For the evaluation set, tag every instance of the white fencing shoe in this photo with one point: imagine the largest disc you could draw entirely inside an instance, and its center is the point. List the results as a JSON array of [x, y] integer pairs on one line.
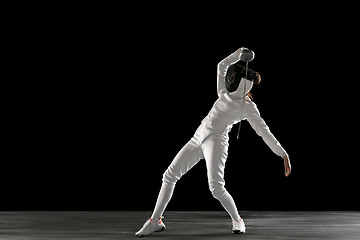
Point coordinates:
[[238, 226], [151, 226]]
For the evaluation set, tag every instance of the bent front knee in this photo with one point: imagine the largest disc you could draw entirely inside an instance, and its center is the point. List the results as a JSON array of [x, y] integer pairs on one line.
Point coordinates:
[[169, 178]]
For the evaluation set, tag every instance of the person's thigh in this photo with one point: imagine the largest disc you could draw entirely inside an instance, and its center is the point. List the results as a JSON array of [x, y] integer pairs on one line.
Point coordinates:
[[186, 158]]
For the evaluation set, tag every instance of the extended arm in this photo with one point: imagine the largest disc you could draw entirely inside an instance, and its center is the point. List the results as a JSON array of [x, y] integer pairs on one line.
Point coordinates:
[[260, 127], [222, 68]]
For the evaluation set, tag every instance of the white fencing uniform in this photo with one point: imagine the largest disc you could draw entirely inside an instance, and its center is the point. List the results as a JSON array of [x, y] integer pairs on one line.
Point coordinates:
[[210, 141]]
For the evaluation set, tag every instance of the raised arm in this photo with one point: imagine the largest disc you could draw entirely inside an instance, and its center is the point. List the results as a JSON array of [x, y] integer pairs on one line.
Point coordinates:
[[252, 115], [222, 68]]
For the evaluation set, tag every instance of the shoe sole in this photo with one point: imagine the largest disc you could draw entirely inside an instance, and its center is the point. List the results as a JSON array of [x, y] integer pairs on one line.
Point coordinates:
[[237, 232], [160, 230]]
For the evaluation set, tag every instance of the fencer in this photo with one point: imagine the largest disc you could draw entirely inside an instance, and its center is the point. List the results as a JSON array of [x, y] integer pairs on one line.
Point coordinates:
[[210, 140]]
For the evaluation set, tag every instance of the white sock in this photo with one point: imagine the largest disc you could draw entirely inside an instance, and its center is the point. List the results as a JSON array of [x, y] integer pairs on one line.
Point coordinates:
[[164, 197], [228, 203]]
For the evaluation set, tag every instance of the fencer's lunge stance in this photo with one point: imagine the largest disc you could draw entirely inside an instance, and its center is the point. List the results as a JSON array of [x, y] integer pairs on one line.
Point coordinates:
[[210, 141]]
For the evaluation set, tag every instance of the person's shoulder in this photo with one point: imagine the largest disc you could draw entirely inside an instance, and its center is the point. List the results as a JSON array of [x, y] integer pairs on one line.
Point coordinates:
[[222, 92]]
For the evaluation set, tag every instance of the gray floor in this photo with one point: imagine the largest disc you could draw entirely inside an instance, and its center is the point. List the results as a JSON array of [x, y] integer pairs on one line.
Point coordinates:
[[180, 225]]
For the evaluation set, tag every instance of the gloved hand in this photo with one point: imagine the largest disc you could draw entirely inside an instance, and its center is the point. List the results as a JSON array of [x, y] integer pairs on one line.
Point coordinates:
[[246, 55]]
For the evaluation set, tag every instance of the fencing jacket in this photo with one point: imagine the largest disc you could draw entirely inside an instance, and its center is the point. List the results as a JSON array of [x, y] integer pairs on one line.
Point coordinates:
[[232, 107]]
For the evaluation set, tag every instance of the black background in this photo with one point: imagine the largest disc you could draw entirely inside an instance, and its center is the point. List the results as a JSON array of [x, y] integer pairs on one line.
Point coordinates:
[[104, 98]]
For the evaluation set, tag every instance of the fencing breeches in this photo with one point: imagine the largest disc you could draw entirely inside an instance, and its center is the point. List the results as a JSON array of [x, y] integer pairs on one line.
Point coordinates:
[[214, 149]]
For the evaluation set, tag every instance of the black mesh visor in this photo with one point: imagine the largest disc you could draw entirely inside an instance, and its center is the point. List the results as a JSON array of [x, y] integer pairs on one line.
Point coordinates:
[[234, 74]]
